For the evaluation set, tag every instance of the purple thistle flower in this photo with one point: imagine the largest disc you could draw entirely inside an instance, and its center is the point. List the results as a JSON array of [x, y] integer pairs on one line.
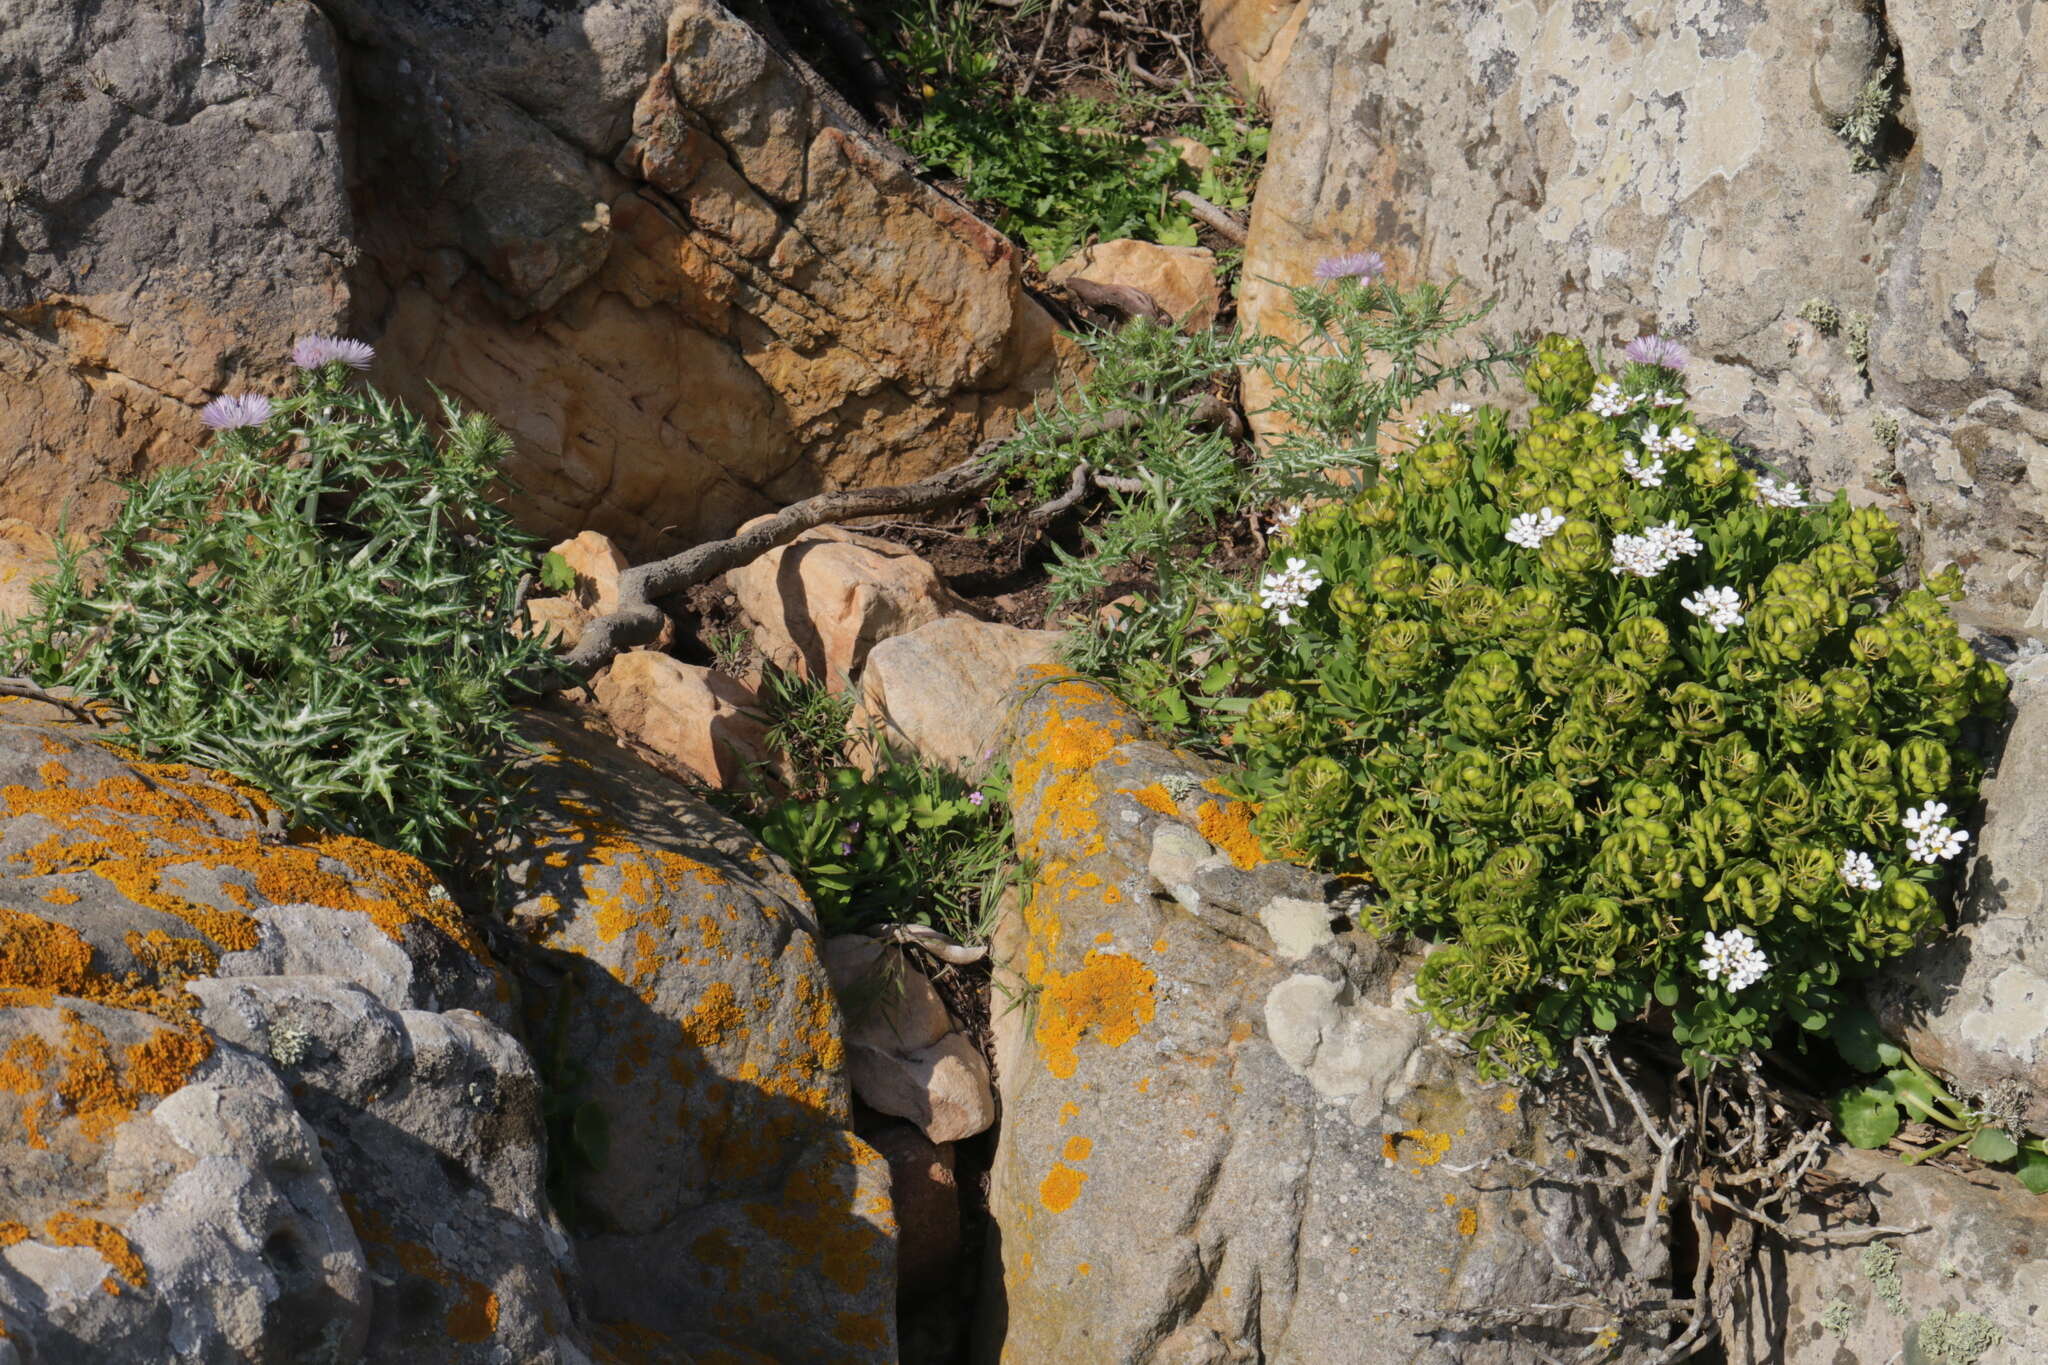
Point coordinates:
[[312, 352], [1361, 265], [1656, 350], [242, 410]]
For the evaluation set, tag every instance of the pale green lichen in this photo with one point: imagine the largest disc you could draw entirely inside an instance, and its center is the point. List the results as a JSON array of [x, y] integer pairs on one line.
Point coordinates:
[[1825, 317], [1884, 428], [1863, 127], [1880, 1265], [1838, 1317], [1856, 340], [289, 1044], [1958, 1338]]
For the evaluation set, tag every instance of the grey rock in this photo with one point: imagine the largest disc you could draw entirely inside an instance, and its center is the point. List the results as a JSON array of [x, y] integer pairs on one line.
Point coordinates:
[[1298, 927]]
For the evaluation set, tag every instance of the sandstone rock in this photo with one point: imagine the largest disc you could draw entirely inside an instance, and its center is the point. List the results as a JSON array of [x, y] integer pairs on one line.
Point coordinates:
[[685, 717], [1180, 279], [1974, 1004], [560, 618], [693, 1013], [1679, 170], [171, 195], [26, 556], [1252, 38], [1196, 1166], [940, 691], [905, 1055], [597, 564], [927, 1199], [1966, 1286], [820, 603]]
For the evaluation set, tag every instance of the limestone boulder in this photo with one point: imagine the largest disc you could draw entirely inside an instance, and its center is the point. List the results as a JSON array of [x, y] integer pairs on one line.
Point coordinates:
[[906, 1056], [1608, 170], [173, 202], [1964, 1283], [1217, 1149], [1974, 1004], [719, 1194], [941, 691], [1180, 279], [686, 719], [819, 604]]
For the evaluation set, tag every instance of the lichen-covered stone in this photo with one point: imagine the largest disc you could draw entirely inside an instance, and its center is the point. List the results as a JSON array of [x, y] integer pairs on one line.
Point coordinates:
[[1170, 1185], [735, 1202]]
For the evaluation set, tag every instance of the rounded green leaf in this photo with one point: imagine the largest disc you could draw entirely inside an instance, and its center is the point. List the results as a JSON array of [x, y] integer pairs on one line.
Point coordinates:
[[1867, 1116], [1992, 1145]]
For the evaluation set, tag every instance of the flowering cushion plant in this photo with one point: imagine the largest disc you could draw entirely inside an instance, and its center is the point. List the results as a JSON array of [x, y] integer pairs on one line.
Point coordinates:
[[1619, 720]]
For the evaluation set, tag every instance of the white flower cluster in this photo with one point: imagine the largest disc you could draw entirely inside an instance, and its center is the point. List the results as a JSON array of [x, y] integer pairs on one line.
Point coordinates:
[[1721, 607], [1667, 441], [1933, 841], [1461, 409], [1287, 591], [1650, 553], [1649, 475], [1609, 401], [1531, 529], [1286, 517], [1735, 958], [1859, 872], [1771, 493], [1663, 398]]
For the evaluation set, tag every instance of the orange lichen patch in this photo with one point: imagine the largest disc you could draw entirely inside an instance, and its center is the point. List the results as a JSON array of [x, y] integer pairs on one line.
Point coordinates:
[[1144, 1085], [62, 895], [1084, 1269], [1068, 1111], [1229, 827], [1468, 1222], [41, 955], [12, 1232], [864, 1330], [1077, 1149], [1112, 895], [1153, 797], [1510, 1102], [170, 958], [1240, 1030], [1060, 1188], [1426, 1148], [1110, 997], [1105, 937], [717, 1016], [475, 1314], [813, 1221], [70, 1230], [101, 1093]]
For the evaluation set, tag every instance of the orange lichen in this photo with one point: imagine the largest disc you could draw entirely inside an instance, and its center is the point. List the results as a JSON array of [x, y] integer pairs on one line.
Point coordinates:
[[62, 895], [1068, 1111], [12, 1232], [1105, 937], [1153, 797], [1144, 1085], [1110, 997], [1077, 1149], [1468, 1222], [1084, 1269], [717, 1016], [813, 1220], [41, 955], [70, 1230], [1229, 827], [475, 1314], [1060, 1188], [1428, 1148], [1509, 1102]]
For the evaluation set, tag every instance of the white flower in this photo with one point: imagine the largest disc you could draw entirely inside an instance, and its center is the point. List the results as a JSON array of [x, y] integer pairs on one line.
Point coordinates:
[[1771, 493], [1649, 475], [1665, 399], [1461, 409], [1677, 541], [1925, 817], [1933, 841], [1650, 553], [1665, 442], [1531, 529], [1286, 517], [1722, 607], [1609, 401], [1859, 872], [1287, 591], [1733, 956]]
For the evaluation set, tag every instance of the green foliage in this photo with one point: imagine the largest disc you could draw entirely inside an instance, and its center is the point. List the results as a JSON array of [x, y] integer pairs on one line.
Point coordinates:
[[555, 574], [323, 604], [1560, 769], [806, 725], [1870, 117], [912, 843]]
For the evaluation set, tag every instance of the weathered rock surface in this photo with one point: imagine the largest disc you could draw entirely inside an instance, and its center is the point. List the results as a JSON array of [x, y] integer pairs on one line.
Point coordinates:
[[735, 1209], [256, 1099], [1968, 1286], [1170, 1185], [1180, 279], [684, 717], [941, 691], [172, 213], [26, 555], [1974, 1004], [905, 1054], [926, 1192], [820, 603], [1252, 38], [1605, 169]]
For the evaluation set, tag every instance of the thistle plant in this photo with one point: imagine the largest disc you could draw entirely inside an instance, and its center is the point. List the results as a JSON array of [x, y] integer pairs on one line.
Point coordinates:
[[1618, 720], [326, 604]]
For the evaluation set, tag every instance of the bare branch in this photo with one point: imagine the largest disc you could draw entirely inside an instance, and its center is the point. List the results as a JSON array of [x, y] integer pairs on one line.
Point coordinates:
[[28, 691], [1847, 1238], [1224, 223]]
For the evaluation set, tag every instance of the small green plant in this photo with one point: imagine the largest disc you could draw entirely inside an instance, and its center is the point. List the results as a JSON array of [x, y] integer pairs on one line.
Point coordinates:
[[806, 725], [911, 843], [556, 575], [1870, 117], [1825, 317], [325, 604], [1856, 340], [1884, 429]]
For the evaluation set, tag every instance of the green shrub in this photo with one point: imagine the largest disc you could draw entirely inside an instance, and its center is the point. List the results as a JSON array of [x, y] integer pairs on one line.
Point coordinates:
[[1620, 720], [323, 604]]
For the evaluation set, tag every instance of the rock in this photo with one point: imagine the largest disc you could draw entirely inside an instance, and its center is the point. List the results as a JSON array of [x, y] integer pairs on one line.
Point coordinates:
[[259, 1102], [820, 603], [939, 692], [904, 1054], [597, 564], [1198, 156], [26, 556], [171, 193], [687, 718], [1974, 1004], [927, 1199], [692, 1018], [559, 617], [1180, 279], [1252, 39], [1967, 1286], [1681, 172], [1210, 1154]]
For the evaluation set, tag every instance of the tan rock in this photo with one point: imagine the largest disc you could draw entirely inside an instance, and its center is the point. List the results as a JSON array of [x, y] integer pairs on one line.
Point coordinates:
[[904, 1054], [820, 603], [597, 564], [1180, 279], [560, 617], [683, 716], [1252, 39], [888, 1003], [26, 556], [1198, 155], [926, 1195], [941, 691]]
